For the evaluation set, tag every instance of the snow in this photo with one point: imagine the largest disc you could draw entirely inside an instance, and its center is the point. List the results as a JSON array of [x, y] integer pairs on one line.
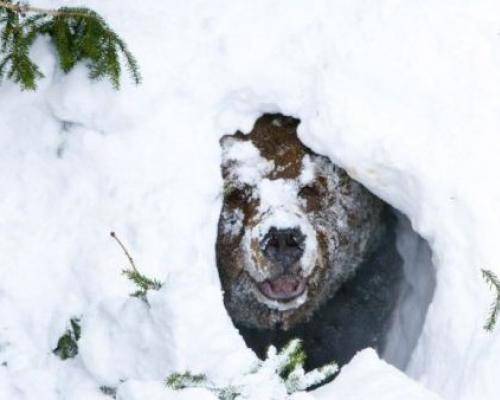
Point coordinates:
[[366, 375], [250, 166], [404, 95], [138, 390], [307, 173], [416, 295]]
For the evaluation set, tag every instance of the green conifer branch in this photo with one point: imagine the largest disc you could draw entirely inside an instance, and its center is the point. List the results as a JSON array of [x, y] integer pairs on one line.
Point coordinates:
[[142, 282], [293, 356], [67, 345], [494, 283], [78, 34], [290, 367], [184, 380], [288, 364]]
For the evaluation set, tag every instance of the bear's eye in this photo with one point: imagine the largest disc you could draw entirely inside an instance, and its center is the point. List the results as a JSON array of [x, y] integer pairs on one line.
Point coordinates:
[[308, 192], [237, 195]]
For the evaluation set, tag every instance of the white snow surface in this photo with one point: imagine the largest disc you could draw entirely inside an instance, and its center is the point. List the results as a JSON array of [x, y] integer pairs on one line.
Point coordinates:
[[404, 95], [250, 166], [373, 377]]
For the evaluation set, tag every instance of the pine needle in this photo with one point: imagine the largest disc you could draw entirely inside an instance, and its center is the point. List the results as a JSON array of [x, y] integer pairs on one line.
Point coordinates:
[[78, 34], [290, 368], [494, 283], [177, 381], [293, 357], [67, 345], [287, 365], [142, 282]]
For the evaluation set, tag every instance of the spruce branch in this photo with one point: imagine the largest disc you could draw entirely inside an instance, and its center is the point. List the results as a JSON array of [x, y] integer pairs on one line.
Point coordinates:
[[285, 367], [26, 8], [289, 365], [67, 345], [179, 381], [184, 380], [292, 356], [78, 34], [494, 283], [142, 282], [108, 391]]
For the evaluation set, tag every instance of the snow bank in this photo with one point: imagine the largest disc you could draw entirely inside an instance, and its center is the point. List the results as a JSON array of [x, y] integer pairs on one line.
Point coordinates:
[[403, 95], [367, 377]]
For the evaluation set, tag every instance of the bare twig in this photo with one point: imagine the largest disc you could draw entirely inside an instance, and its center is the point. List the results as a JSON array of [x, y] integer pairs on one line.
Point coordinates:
[[130, 259], [143, 283]]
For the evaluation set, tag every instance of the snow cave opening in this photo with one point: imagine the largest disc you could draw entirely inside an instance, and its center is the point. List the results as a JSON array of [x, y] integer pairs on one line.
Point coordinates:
[[417, 288], [416, 294]]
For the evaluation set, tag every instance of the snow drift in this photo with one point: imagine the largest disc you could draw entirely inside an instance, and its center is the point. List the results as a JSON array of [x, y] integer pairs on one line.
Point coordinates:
[[404, 96]]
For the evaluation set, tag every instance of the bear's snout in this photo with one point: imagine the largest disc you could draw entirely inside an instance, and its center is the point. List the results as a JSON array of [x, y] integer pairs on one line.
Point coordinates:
[[283, 246]]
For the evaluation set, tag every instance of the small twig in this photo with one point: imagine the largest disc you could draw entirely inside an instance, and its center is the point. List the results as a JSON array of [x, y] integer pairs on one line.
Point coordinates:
[[25, 8], [143, 283], [130, 259]]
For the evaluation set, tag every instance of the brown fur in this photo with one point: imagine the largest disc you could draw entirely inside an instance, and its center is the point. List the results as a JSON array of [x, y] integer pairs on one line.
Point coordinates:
[[344, 215], [352, 282]]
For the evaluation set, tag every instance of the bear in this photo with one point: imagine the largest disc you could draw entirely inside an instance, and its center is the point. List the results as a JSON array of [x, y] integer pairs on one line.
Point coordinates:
[[303, 250]]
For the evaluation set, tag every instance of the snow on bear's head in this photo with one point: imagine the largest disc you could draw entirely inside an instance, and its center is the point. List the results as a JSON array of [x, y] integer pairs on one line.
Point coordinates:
[[293, 226]]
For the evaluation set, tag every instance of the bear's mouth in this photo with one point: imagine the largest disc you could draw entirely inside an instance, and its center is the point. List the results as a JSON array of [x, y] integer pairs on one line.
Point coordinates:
[[283, 288]]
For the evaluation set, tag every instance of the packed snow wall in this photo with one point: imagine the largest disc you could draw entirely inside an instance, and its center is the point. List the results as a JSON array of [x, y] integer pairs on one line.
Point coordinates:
[[403, 96], [415, 296]]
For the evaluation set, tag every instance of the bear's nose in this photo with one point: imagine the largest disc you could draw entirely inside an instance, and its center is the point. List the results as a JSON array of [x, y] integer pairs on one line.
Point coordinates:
[[283, 246]]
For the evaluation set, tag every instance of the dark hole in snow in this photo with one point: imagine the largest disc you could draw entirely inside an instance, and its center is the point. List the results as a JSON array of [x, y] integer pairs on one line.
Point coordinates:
[[416, 294], [366, 278]]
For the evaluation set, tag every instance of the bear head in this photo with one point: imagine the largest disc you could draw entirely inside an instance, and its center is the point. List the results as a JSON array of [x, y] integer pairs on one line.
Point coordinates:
[[293, 226]]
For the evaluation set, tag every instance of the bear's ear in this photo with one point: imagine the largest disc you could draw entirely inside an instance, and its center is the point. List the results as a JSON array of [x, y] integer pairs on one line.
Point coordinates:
[[277, 121], [228, 140]]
